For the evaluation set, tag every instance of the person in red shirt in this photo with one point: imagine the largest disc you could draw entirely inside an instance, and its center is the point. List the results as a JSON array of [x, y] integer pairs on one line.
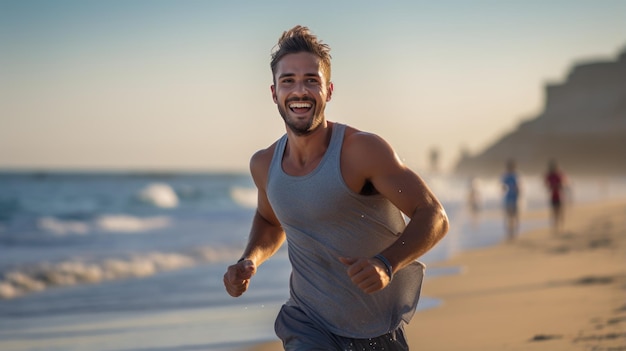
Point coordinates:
[[555, 182]]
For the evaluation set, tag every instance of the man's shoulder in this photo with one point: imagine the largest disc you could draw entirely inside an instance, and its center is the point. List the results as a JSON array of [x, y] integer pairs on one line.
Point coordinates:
[[367, 151], [263, 155], [261, 160], [359, 138]]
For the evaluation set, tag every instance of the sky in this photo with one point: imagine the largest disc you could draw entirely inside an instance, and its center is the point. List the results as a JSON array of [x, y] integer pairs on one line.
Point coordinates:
[[184, 85]]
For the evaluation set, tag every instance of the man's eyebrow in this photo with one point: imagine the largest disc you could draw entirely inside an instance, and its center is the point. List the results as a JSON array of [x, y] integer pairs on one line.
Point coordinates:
[[316, 74], [286, 75]]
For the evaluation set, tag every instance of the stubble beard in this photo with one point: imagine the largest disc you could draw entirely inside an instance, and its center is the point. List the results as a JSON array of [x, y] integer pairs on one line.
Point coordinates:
[[301, 129]]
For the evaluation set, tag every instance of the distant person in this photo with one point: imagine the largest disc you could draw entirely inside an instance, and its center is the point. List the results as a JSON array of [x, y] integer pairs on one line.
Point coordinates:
[[337, 195], [473, 196], [473, 199], [434, 160], [512, 189], [556, 183]]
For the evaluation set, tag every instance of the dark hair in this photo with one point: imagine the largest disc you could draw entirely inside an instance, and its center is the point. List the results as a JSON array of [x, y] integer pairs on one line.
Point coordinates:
[[300, 39]]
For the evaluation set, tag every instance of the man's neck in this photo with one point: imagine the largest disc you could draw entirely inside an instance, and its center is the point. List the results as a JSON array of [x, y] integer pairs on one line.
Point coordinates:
[[304, 152]]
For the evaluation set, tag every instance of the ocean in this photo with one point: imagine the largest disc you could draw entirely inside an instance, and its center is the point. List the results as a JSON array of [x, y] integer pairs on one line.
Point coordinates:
[[134, 261]]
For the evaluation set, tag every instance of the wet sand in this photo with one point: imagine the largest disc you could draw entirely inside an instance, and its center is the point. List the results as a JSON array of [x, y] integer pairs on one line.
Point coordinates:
[[543, 291]]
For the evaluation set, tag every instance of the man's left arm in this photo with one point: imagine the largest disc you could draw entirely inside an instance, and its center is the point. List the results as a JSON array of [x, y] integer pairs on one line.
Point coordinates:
[[428, 221], [428, 224]]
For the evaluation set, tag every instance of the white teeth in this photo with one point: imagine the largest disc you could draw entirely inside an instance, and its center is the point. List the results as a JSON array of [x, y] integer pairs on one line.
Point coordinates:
[[300, 105]]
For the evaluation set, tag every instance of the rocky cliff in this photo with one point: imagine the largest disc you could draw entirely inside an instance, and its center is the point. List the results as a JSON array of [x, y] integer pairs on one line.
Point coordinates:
[[582, 126]]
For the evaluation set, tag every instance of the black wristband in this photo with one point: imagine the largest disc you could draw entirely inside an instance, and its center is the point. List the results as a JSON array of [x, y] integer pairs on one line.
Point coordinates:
[[385, 261], [241, 259]]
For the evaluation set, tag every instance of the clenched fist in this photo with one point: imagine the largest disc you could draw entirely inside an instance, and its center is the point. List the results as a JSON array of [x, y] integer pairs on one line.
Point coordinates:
[[369, 274], [237, 277]]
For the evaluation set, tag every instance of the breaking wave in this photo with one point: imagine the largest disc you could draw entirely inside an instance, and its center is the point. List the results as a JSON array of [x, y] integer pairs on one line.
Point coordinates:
[[160, 195], [106, 223], [125, 223], [20, 281], [243, 196]]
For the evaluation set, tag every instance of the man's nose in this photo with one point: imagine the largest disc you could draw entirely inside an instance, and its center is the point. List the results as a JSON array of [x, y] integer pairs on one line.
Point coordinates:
[[301, 89]]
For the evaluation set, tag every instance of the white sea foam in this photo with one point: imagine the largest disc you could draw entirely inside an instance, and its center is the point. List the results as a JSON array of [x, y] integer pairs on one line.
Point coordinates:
[[213, 254], [119, 224], [245, 197], [160, 195], [74, 272], [130, 224], [8, 290], [61, 227], [24, 282]]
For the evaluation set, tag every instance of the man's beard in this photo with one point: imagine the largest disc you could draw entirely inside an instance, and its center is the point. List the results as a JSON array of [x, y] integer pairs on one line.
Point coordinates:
[[308, 128]]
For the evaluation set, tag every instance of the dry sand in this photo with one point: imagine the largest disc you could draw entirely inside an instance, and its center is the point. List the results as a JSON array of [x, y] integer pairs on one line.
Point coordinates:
[[540, 292]]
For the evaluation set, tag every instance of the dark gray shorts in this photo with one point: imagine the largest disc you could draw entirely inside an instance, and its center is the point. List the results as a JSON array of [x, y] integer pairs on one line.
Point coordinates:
[[299, 333]]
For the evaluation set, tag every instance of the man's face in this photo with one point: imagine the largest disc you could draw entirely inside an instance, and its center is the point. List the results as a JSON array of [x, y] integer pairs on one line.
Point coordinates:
[[301, 92]]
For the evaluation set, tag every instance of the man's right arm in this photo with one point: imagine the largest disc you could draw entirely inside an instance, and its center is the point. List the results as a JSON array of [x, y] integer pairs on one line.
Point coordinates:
[[266, 234]]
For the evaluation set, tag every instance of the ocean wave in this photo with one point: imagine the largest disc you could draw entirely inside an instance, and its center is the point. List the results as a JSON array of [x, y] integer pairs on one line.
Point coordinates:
[[107, 223], [17, 282], [159, 194], [243, 196], [62, 227], [130, 224]]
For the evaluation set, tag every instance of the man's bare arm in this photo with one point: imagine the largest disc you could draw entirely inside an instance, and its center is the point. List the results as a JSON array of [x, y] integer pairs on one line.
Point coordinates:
[[266, 235], [378, 164], [405, 189]]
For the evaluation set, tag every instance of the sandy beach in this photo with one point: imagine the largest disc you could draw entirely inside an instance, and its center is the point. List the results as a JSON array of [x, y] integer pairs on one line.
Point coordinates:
[[541, 292]]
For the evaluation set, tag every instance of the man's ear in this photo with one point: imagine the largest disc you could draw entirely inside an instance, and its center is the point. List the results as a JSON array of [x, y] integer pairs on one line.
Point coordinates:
[[329, 92], [273, 89]]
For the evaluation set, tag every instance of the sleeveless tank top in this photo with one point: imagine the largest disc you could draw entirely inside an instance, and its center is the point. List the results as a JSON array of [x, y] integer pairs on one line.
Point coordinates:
[[324, 220]]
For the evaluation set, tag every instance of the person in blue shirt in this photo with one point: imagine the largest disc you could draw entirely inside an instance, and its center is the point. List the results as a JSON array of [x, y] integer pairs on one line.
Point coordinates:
[[512, 189]]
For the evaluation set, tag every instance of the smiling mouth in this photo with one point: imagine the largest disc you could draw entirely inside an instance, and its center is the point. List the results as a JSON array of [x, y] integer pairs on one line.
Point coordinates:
[[300, 107]]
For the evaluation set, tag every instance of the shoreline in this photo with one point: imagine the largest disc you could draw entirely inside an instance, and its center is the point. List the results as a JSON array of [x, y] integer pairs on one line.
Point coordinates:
[[540, 292]]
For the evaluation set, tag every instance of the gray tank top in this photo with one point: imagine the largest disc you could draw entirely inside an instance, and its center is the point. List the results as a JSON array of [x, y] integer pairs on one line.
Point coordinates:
[[325, 220]]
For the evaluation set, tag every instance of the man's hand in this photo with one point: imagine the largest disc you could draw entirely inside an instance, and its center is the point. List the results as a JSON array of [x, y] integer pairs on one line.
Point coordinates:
[[237, 277], [369, 274]]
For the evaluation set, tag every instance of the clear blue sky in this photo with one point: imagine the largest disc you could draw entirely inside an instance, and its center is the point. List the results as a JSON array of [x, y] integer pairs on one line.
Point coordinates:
[[185, 84]]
